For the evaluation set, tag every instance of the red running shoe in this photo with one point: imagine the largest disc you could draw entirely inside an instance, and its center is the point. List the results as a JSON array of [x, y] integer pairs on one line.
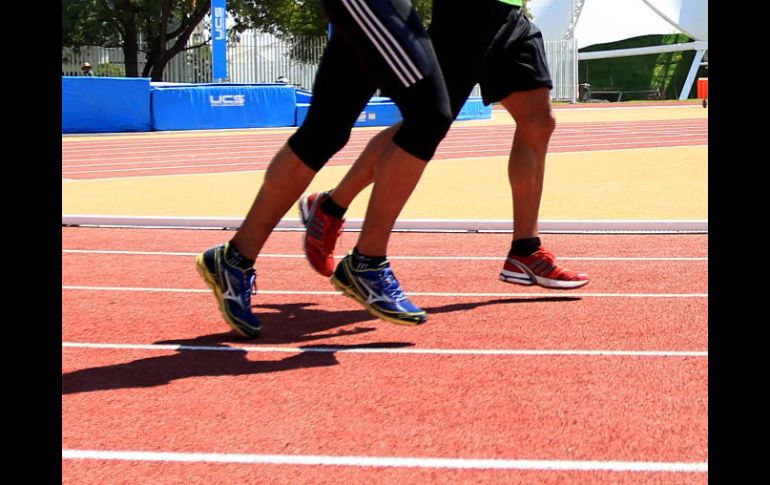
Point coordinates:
[[540, 268], [321, 233]]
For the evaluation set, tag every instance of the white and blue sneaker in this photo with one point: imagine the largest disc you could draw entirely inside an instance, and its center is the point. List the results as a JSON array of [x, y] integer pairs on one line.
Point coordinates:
[[232, 288], [378, 291]]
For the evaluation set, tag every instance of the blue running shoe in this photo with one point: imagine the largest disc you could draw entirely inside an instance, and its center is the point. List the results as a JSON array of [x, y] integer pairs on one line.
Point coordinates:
[[232, 287], [378, 291]]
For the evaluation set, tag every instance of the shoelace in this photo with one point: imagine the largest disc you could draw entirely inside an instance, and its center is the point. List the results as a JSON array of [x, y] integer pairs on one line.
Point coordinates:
[[390, 284], [558, 271], [546, 255], [250, 278]]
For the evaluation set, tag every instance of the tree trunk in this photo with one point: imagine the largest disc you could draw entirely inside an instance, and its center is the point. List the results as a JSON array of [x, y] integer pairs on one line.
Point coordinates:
[[160, 54], [150, 62], [157, 69], [161, 58], [131, 47]]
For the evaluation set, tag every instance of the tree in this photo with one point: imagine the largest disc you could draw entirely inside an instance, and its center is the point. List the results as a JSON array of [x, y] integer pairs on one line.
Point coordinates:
[[161, 28], [292, 18], [164, 26], [178, 19]]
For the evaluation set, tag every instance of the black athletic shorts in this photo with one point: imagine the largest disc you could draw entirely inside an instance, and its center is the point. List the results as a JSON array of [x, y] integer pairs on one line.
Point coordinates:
[[489, 43]]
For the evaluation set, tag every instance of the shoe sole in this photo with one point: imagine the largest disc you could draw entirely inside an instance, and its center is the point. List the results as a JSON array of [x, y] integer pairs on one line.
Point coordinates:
[[212, 284], [304, 216], [349, 292], [509, 277]]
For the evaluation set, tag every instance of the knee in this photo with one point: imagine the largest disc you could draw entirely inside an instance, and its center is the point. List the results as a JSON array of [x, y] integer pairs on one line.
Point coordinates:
[[540, 124], [316, 144], [442, 120], [333, 141], [423, 129], [433, 123]]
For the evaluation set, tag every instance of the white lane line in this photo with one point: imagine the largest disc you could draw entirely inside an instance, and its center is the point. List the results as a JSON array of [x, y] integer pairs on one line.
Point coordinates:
[[612, 108], [335, 163], [201, 147], [167, 167], [139, 155], [386, 350], [445, 154], [416, 258], [414, 293], [99, 180], [382, 461]]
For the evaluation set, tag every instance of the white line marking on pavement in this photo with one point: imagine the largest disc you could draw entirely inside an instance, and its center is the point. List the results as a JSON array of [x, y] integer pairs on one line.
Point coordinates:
[[415, 293], [387, 350]]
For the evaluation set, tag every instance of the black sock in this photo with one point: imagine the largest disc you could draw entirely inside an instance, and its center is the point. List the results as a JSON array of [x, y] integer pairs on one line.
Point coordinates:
[[524, 247], [233, 257], [330, 207], [362, 261]]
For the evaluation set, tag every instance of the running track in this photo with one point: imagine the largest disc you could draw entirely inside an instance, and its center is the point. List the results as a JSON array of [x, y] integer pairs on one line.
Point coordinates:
[[504, 384], [182, 154]]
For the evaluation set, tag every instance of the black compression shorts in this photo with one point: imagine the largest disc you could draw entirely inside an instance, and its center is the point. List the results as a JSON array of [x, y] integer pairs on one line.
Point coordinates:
[[375, 44]]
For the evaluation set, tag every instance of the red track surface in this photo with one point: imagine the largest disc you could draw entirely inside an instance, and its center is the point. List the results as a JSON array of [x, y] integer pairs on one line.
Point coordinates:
[[130, 157], [628, 408]]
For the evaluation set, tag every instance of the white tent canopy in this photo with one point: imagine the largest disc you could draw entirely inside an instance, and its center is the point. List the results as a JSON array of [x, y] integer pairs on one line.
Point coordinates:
[[603, 21]]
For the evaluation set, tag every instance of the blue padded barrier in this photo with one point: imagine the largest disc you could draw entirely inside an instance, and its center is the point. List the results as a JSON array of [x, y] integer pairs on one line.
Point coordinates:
[[105, 104], [301, 112], [211, 106], [474, 109], [374, 114], [384, 112], [303, 96]]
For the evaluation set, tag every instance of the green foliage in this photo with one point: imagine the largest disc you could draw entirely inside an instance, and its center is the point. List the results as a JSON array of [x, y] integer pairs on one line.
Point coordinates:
[[114, 23], [526, 11], [280, 17], [424, 7], [98, 22], [87, 22], [292, 18], [110, 70], [665, 72], [295, 21], [122, 23]]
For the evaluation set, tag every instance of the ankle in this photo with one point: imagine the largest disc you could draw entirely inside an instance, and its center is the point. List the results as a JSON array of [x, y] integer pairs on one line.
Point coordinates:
[[235, 258], [332, 208], [524, 247], [363, 261]]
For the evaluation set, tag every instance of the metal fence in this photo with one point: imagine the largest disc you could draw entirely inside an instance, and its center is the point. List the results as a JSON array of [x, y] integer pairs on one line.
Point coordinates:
[[562, 63], [252, 57], [190, 66], [258, 57]]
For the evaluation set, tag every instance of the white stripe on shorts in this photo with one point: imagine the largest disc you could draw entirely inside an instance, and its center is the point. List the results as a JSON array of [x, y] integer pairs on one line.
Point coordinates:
[[363, 17]]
